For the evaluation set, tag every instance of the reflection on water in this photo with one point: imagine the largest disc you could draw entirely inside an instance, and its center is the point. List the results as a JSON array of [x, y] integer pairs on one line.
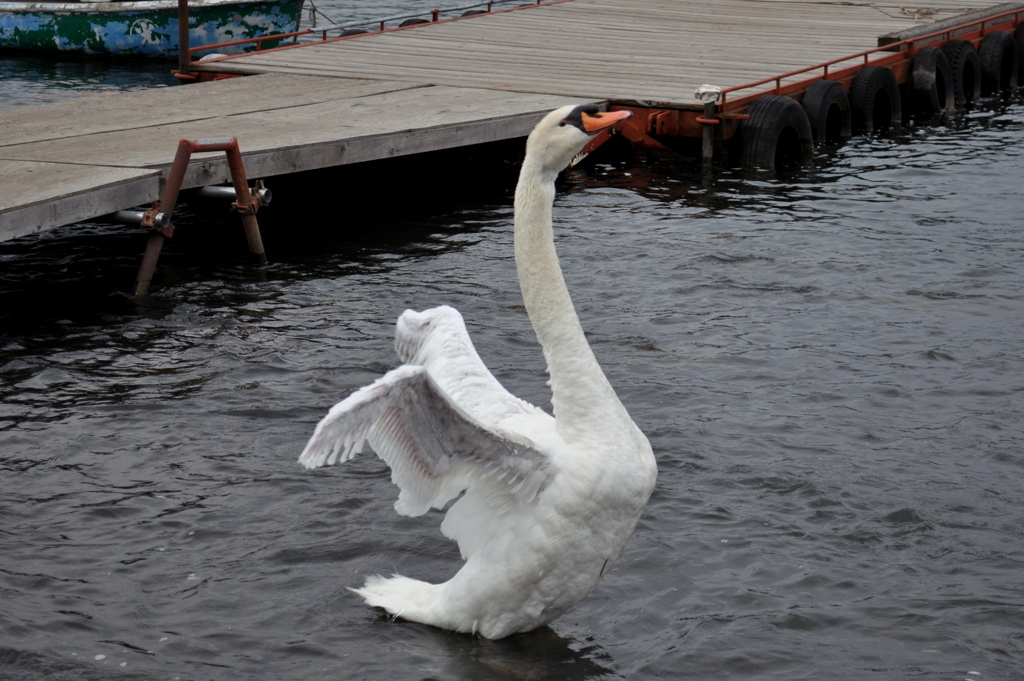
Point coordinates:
[[30, 79], [540, 654]]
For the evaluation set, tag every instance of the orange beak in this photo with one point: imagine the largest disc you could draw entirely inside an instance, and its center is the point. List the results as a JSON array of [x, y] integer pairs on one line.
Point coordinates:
[[595, 123]]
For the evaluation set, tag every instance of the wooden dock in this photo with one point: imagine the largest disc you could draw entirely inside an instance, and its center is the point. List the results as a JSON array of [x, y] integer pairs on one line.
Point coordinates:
[[423, 88], [643, 52], [70, 161]]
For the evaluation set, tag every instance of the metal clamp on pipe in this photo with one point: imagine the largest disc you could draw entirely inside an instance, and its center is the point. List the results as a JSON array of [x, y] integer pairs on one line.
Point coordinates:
[[147, 219]]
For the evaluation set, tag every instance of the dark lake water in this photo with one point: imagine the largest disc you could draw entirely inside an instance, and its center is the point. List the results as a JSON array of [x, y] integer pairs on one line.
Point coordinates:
[[828, 364]]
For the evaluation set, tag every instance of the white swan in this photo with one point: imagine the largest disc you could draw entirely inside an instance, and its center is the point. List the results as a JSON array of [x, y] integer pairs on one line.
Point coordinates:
[[549, 502]]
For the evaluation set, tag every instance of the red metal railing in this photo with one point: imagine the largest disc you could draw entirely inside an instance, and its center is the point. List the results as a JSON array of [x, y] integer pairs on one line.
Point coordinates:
[[259, 41], [900, 50]]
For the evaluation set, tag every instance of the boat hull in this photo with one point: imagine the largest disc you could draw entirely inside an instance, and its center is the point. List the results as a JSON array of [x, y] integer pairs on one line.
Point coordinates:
[[145, 29]]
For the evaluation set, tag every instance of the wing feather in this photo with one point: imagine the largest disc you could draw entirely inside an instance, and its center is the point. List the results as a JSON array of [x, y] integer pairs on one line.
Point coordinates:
[[435, 449], [437, 340]]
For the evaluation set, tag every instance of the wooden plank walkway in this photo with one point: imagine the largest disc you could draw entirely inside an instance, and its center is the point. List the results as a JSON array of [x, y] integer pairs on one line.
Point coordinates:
[[639, 52], [430, 87]]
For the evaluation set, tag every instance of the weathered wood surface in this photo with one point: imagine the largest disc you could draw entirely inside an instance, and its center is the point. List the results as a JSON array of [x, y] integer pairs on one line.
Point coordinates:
[[162, 106], [635, 51], [70, 161], [37, 196], [941, 24], [312, 136]]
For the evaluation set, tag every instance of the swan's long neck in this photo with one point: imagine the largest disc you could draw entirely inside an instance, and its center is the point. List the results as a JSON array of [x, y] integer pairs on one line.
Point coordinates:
[[581, 395]]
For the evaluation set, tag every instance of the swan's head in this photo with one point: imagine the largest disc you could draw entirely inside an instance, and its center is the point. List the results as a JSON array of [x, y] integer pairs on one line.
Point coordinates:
[[562, 133]]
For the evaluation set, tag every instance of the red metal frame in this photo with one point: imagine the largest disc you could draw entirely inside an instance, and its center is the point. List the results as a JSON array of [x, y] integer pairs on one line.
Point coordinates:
[[673, 123], [245, 203]]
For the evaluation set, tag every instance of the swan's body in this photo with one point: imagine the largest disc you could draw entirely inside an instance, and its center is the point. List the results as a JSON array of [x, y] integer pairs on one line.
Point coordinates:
[[549, 501]]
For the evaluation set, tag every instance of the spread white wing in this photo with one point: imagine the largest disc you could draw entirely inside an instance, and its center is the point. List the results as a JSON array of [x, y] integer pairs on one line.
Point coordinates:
[[434, 448], [437, 340]]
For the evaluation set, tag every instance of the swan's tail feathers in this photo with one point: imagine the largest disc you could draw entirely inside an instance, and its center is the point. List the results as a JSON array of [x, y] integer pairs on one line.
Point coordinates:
[[403, 597]]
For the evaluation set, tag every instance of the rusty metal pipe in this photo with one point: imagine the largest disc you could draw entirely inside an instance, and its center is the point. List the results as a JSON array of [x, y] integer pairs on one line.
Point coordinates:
[[167, 201], [184, 56], [707, 152], [175, 177], [253, 237], [244, 203], [148, 266], [708, 94]]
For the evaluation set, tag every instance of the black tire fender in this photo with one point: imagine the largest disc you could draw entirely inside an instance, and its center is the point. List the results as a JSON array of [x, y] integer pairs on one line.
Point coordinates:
[[1018, 36], [999, 62], [777, 132], [966, 70], [932, 82], [828, 111], [875, 100]]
